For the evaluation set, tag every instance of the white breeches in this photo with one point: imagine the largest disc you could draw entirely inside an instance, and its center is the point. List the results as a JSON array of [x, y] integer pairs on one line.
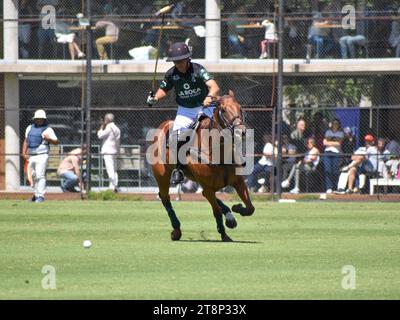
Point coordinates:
[[110, 161], [185, 116], [38, 165]]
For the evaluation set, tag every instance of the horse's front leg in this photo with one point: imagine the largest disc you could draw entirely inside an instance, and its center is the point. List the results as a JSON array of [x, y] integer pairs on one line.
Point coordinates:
[[230, 220], [243, 192], [217, 211], [176, 233]]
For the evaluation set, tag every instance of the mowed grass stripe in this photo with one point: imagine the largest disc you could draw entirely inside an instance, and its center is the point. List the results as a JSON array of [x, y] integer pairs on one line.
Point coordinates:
[[284, 251]]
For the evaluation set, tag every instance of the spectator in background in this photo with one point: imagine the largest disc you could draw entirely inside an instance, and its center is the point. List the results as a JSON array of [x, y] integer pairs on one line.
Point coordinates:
[[319, 36], [333, 148], [392, 153], [111, 36], [64, 35], [108, 8], [394, 38], [387, 165], [269, 37], [291, 34], [288, 152], [319, 126], [365, 160], [152, 35], [299, 136], [177, 11], [236, 36], [348, 148], [26, 10], [308, 163], [394, 148], [35, 149], [264, 165], [382, 157], [352, 38], [110, 136], [69, 170], [45, 33]]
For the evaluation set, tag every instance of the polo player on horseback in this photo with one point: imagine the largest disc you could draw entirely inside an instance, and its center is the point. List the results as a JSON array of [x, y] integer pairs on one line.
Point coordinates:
[[196, 92]]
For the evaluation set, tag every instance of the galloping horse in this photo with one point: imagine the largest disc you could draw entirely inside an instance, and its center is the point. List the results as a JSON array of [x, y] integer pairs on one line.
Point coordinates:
[[211, 177]]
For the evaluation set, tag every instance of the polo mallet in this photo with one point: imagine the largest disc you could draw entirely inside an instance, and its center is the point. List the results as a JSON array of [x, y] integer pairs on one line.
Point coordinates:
[[161, 12]]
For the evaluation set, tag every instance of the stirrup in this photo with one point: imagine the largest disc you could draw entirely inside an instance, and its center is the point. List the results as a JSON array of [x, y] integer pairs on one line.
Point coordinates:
[[177, 176]]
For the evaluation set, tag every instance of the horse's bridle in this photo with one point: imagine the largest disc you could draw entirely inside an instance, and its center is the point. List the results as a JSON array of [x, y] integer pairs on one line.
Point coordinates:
[[237, 120]]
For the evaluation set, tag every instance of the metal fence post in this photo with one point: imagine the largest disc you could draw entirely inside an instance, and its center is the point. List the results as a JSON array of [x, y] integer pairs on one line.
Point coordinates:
[[280, 98], [88, 95]]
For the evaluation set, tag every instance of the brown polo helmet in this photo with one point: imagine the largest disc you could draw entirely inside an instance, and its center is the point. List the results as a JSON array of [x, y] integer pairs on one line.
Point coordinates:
[[178, 51]]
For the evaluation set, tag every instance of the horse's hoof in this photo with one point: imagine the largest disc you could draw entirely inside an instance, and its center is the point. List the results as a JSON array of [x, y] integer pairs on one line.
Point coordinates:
[[176, 234], [226, 238], [230, 221], [238, 208]]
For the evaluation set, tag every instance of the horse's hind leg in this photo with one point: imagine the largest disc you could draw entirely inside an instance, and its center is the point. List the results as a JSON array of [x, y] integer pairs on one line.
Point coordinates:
[[163, 183], [243, 192], [230, 220], [217, 211]]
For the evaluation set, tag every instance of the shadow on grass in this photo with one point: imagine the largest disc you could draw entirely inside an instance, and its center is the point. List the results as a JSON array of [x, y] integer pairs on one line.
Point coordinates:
[[219, 241]]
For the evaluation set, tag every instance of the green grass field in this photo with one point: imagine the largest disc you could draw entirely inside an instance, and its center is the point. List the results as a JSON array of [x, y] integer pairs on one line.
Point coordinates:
[[284, 251]]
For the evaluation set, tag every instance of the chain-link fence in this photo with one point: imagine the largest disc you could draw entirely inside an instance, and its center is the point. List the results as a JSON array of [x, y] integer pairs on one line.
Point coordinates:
[[365, 103], [121, 29], [126, 99], [312, 29], [311, 106], [338, 149]]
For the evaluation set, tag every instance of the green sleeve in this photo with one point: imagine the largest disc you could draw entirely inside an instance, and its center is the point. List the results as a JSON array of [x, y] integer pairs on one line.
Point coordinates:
[[167, 83], [205, 76]]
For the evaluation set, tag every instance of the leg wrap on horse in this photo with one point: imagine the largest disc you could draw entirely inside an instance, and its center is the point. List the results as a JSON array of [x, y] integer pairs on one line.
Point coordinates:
[[230, 220], [172, 215], [225, 208], [220, 224]]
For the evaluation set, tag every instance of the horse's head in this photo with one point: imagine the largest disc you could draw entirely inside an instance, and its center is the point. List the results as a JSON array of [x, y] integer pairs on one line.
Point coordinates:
[[230, 114]]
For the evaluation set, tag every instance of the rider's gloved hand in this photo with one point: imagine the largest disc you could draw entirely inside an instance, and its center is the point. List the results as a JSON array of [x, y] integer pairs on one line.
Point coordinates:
[[208, 101], [151, 99]]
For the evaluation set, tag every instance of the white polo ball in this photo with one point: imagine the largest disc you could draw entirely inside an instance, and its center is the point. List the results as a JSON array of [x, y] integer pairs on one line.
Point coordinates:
[[87, 243]]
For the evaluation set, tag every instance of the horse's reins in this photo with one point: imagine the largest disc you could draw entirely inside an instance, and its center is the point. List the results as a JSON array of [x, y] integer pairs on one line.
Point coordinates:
[[237, 120], [234, 123]]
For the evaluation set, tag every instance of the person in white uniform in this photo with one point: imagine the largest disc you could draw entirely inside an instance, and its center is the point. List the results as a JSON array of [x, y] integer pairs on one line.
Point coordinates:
[[110, 135], [35, 149], [196, 93]]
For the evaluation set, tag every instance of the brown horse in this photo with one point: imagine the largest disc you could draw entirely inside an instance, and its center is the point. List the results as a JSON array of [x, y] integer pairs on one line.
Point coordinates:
[[211, 177]]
